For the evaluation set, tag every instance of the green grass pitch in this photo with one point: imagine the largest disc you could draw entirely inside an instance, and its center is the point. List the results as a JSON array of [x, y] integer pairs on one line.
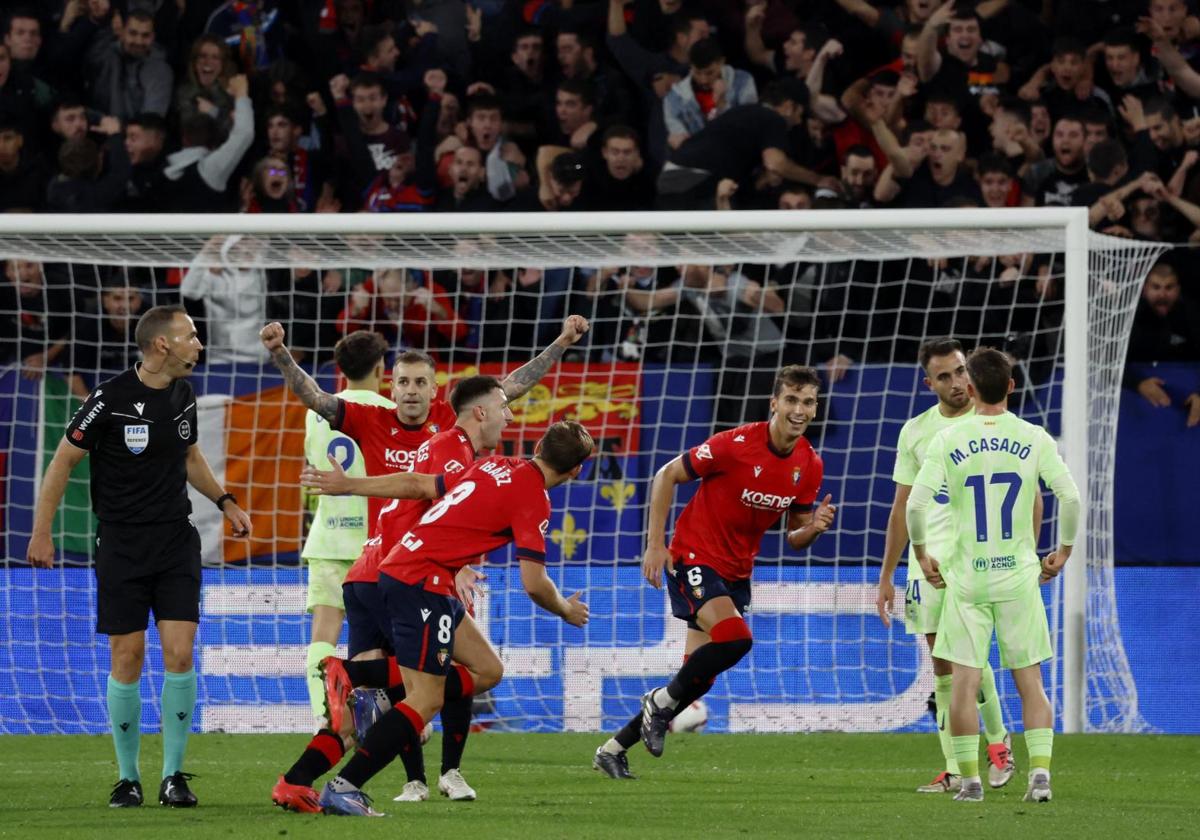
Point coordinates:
[[542, 786]]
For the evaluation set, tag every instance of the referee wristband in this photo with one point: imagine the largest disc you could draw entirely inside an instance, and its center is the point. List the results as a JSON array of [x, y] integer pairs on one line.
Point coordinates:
[[221, 500]]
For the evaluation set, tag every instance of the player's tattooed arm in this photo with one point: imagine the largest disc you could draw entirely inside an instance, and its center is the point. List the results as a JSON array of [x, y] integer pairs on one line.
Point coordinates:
[[302, 385], [518, 383]]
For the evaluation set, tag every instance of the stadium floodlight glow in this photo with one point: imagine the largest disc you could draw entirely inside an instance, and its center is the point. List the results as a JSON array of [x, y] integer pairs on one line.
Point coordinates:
[[879, 281]]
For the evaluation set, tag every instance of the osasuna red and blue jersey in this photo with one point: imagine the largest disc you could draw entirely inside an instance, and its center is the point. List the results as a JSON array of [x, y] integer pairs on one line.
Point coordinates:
[[746, 484], [497, 501], [387, 445], [447, 454]]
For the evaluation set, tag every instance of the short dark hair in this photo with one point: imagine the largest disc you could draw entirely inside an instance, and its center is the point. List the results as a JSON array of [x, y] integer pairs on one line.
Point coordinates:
[[990, 371], [1123, 36], [789, 89], [1161, 106], [568, 169], [795, 376], [620, 132], [1096, 115], [680, 23], [937, 347], [585, 90], [992, 162], [22, 11], [859, 150], [415, 357], [148, 121], [483, 102], [1067, 45], [79, 158], [142, 15], [966, 12], [358, 353], [282, 109], [153, 323], [469, 391], [1105, 157], [368, 80], [67, 103], [705, 53], [566, 445], [1019, 108], [944, 97]]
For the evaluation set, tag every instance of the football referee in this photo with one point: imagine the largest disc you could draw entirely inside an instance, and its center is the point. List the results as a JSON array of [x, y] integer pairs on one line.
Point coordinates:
[[140, 428]]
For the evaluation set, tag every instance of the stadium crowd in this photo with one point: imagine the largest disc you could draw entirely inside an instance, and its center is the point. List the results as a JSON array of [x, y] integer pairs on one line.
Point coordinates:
[[560, 105]]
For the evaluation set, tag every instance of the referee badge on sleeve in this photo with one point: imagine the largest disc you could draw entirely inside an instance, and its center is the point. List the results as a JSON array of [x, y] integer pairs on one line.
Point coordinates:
[[137, 437]]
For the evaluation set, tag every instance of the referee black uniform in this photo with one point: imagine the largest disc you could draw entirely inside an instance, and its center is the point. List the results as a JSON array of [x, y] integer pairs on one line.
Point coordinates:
[[147, 550]]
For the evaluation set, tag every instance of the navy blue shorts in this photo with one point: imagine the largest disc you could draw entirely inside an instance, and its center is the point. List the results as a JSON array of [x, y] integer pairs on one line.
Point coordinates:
[[366, 619], [422, 625], [691, 587]]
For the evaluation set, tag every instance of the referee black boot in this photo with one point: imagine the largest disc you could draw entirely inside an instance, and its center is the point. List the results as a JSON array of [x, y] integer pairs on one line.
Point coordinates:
[[126, 793], [175, 793]]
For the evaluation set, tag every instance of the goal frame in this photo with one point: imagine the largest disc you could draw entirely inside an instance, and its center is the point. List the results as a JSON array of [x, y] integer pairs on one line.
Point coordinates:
[[1072, 221]]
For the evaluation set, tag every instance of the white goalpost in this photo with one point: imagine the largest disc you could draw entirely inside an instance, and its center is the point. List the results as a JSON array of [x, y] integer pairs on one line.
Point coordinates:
[[691, 313]]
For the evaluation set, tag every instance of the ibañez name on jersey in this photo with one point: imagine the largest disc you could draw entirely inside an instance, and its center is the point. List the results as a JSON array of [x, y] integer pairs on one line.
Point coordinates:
[[1010, 445]]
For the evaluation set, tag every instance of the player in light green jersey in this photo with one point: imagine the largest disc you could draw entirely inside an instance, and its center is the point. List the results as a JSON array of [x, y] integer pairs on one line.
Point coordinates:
[[989, 466], [945, 369], [339, 526]]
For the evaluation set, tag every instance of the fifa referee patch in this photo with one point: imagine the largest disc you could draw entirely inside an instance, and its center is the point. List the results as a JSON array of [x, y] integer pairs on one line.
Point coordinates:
[[137, 437]]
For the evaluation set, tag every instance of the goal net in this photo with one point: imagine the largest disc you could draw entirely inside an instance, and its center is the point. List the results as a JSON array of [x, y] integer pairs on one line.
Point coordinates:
[[691, 316]]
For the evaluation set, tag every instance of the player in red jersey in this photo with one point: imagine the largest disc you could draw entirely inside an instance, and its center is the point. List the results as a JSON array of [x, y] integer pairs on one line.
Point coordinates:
[[749, 477], [497, 501], [388, 438], [482, 414]]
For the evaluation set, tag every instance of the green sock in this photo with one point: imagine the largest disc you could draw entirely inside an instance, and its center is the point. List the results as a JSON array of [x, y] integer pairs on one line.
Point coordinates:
[[941, 697], [989, 707], [316, 686], [125, 717], [1040, 743], [966, 750], [178, 704]]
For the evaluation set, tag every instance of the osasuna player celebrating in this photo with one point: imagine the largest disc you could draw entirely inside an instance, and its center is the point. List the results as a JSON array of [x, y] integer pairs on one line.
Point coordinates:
[[989, 465], [749, 477], [339, 526], [140, 429], [389, 438], [482, 414], [945, 369], [497, 501]]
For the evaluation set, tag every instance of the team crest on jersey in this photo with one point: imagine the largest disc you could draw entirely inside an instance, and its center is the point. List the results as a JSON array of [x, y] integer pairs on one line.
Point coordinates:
[[435, 428], [796, 476], [704, 453], [442, 655], [697, 592], [185, 429], [137, 437]]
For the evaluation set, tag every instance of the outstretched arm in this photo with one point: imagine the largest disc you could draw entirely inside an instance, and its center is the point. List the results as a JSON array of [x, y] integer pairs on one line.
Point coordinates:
[[302, 385], [335, 482], [542, 591], [519, 382]]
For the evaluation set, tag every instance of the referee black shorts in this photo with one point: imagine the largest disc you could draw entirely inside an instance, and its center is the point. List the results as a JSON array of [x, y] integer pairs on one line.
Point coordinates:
[[140, 568]]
